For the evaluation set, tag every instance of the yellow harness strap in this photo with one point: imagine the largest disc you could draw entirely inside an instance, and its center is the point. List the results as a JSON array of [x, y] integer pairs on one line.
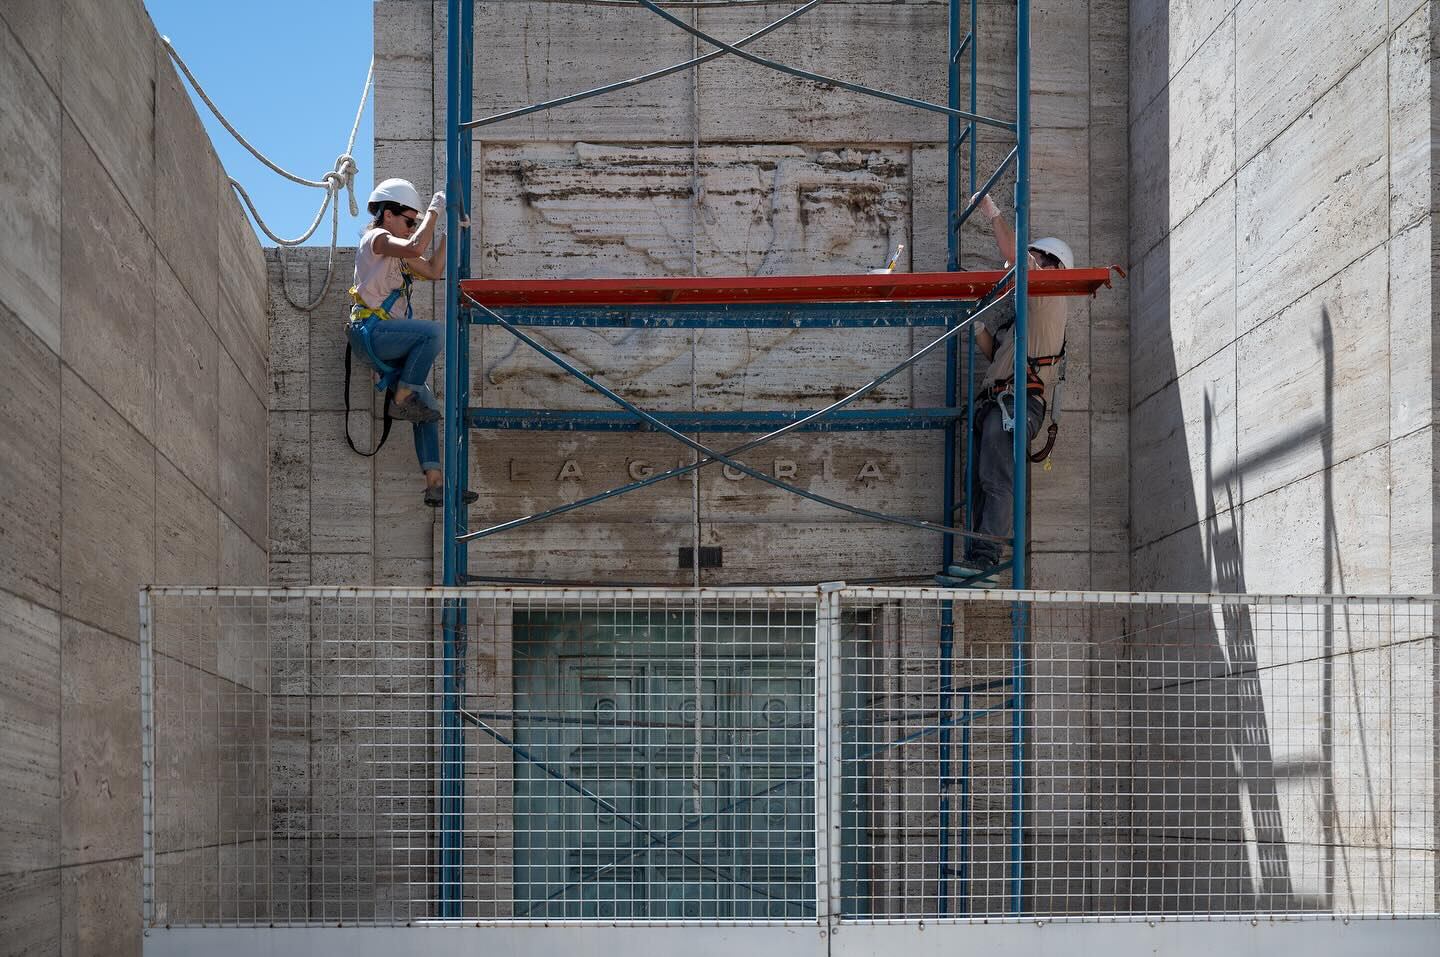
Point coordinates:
[[361, 310]]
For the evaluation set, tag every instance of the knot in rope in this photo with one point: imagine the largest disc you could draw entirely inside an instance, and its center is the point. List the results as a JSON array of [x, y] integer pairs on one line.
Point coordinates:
[[343, 177]]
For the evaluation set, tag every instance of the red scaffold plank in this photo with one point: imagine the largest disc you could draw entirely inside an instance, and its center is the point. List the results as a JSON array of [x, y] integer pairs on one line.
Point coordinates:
[[689, 290]]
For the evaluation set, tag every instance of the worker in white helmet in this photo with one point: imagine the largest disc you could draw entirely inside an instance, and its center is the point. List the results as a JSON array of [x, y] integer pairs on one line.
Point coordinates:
[[394, 250], [992, 512]]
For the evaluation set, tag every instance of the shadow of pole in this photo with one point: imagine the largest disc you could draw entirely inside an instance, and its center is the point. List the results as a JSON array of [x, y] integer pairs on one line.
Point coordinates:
[[1329, 816], [1334, 570]]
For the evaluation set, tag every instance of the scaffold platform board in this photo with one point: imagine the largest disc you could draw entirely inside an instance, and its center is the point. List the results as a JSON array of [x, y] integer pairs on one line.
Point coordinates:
[[763, 290]]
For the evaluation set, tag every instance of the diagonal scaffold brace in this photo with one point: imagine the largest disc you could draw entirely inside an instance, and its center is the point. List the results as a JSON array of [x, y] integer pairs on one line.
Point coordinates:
[[998, 294]]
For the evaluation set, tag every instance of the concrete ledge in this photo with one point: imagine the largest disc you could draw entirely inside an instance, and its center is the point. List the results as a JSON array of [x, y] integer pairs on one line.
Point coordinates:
[[918, 939]]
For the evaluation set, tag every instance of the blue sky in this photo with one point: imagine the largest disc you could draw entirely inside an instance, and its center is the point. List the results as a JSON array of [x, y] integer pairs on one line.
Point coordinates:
[[288, 75]]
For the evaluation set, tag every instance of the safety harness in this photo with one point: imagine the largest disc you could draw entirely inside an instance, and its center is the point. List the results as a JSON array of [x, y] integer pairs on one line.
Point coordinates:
[[362, 322], [1002, 392]]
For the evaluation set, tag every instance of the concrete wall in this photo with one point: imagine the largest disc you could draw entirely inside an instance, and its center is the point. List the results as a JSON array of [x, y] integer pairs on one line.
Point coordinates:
[[132, 308], [335, 517], [1283, 324], [791, 180], [1283, 396]]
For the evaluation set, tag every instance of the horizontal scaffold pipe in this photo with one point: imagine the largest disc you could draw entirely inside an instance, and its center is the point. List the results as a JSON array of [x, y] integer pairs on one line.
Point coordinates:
[[618, 420], [998, 295], [826, 80], [637, 80]]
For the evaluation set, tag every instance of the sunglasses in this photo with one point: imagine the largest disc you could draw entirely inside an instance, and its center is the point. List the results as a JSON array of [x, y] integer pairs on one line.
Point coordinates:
[[409, 221]]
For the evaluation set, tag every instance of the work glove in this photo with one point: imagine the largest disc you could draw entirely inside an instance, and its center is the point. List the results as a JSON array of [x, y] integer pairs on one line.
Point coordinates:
[[437, 203], [987, 206]]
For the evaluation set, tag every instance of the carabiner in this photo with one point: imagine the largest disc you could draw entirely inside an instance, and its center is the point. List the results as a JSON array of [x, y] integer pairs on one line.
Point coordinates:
[[1006, 401]]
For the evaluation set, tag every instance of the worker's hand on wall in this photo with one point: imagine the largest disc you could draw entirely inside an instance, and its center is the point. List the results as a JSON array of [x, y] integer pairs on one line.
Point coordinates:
[[437, 202], [987, 206]]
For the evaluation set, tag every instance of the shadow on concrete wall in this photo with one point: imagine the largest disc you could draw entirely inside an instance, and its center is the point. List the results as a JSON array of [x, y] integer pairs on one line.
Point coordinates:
[[1235, 798], [1248, 840]]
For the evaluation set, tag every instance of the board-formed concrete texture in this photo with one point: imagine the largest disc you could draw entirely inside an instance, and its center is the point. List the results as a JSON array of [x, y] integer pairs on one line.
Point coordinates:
[[1282, 403], [133, 453]]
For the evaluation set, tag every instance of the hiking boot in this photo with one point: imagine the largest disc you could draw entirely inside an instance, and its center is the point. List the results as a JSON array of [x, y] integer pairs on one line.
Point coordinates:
[[413, 409]]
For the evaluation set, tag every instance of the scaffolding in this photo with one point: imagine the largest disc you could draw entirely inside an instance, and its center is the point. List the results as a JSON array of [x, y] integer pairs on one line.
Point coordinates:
[[952, 301]]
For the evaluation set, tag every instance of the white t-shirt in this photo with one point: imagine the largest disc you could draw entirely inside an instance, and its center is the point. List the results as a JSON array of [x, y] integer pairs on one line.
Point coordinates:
[[377, 276]]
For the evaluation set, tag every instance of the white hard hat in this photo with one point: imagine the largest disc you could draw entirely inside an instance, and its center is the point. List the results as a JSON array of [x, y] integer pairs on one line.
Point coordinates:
[[399, 191], [1057, 248]]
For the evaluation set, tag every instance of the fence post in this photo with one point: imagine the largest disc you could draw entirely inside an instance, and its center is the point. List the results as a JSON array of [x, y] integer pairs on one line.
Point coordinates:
[[828, 765], [147, 761]]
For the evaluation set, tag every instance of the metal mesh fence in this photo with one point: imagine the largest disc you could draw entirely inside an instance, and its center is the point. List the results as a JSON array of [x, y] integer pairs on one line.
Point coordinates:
[[392, 756], [1173, 755]]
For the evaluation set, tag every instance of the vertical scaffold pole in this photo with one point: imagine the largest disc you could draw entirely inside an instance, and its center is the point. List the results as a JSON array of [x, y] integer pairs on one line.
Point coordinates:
[[970, 337], [953, 202], [1021, 449], [458, 188], [970, 520], [460, 28], [459, 84]]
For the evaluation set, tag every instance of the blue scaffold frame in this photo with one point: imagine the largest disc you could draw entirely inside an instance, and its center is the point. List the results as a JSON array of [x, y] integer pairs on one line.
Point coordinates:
[[963, 122]]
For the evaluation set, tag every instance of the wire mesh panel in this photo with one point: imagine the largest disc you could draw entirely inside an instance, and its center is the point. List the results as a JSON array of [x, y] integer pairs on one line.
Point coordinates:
[[392, 756], [616, 756], [294, 742], [1098, 755], [663, 759]]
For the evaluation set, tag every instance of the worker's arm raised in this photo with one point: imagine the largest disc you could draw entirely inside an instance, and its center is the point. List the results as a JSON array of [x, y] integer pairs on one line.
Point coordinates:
[[413, 248], [1004, 235], [431, 266]]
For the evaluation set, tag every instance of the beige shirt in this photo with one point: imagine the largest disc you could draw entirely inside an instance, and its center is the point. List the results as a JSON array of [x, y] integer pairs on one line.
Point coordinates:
[[1045, 329], [377, 276]]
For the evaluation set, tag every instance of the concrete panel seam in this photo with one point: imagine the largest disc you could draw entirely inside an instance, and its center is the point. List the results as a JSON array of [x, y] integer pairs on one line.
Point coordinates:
[[1179, 373], [1295, 481], [1383, 44], [110, 177], [1181, 68], [39, 72], [264, 400], [1138, 254]]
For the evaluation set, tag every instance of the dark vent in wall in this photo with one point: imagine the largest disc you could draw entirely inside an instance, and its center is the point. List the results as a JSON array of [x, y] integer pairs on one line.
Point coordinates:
[[711, 556]]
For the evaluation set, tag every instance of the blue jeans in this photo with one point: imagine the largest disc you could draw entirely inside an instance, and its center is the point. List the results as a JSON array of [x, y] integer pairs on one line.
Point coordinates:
[[427, 434], [994, 505], [413, 345]]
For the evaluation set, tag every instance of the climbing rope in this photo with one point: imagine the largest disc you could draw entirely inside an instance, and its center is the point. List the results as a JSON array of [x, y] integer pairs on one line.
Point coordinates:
[[341, 178]]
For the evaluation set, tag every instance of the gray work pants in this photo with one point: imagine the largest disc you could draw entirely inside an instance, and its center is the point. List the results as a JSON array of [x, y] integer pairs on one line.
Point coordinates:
[[993, 510]]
